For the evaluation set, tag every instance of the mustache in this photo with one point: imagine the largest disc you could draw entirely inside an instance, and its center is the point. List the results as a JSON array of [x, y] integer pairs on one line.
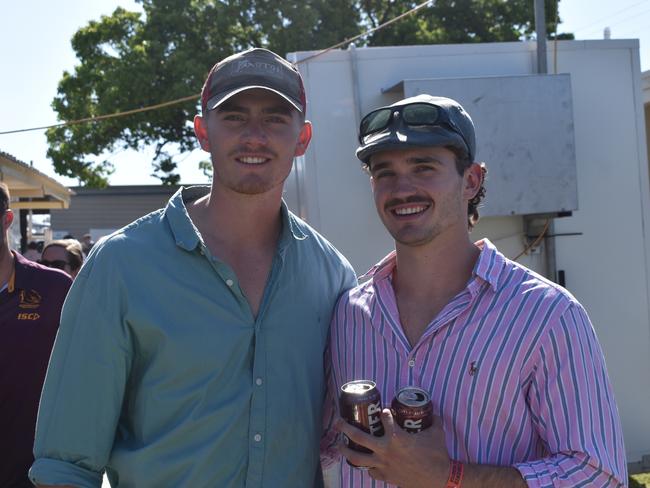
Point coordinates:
[[401, 201]]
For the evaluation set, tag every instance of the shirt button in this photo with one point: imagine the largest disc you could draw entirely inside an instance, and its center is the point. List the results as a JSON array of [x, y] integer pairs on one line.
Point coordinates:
[[230, 282], [257, 437], [258, 381], [412, 363]]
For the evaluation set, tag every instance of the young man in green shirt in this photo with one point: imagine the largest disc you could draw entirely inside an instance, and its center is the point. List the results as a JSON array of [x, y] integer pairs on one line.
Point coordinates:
[[191, 346]]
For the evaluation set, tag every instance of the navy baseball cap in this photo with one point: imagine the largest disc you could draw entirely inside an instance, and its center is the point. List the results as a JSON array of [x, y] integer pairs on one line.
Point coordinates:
[[419, 121]]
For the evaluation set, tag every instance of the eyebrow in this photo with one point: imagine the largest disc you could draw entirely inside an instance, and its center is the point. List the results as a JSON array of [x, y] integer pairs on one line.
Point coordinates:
[[412, 160]]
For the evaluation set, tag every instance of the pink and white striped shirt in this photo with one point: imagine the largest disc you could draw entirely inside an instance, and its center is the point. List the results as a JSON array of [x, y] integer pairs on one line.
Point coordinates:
[[513, 367]]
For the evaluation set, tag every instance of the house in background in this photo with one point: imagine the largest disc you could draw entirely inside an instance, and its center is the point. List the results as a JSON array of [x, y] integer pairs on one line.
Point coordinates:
[[101, 211], [32, 193]]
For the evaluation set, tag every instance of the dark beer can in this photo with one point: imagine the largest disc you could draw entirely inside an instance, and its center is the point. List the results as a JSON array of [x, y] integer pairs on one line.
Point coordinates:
[[360, 405], [412, 409]]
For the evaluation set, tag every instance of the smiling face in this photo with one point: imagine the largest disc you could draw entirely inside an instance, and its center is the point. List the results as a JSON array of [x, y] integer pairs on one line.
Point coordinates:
[[419, 194], [252, 139]]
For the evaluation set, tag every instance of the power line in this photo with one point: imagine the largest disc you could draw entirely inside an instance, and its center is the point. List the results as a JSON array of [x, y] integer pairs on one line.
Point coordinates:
[[193, 97], [609, 16], [626, 19], [374, 29], [107, 116]]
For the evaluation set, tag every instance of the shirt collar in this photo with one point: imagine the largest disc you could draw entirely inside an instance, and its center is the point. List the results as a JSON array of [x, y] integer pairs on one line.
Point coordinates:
[[488, 266], [290, 232], [16, 280], [182, 227], [187, 235], [382, 269]]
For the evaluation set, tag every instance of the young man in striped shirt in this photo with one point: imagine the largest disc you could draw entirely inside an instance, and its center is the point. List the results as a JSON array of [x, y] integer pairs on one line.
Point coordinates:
[[517, 378]]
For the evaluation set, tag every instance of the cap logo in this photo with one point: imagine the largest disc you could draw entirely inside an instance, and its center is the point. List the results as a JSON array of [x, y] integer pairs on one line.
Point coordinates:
[[246, 65]]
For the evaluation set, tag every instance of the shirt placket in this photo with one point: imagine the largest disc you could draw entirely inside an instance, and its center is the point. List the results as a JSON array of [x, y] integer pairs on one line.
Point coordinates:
[[257, 418], [258, 412], [412, 373]]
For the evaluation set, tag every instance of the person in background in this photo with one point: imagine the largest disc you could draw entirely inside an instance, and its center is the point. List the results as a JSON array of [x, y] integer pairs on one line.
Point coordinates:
[[63, 254], [192, 344], [87, 243], [32, 253], [31, 297], [511, 362]]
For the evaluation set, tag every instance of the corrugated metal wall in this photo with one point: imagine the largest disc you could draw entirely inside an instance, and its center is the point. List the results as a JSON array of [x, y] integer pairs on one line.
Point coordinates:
[[108, 208]]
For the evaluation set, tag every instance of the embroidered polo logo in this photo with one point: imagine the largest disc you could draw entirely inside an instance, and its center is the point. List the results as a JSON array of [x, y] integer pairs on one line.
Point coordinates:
[[473, 368], [29, 299]]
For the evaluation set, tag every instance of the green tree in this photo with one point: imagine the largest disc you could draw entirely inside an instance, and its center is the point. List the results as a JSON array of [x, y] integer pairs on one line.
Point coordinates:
[[456, 21], [129, 60]]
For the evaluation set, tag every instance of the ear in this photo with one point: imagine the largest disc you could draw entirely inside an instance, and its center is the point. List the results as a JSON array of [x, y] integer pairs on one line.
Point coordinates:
[[303, 139], [7, 219], [372, 180], [201, 131], [473, 179]]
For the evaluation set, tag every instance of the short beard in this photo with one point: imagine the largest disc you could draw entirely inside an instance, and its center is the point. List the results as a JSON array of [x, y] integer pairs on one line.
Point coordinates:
[[252, 186]]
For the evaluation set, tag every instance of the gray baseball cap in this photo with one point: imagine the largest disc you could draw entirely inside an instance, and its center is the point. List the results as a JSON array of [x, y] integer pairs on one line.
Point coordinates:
[[255, 68], [419, 121]]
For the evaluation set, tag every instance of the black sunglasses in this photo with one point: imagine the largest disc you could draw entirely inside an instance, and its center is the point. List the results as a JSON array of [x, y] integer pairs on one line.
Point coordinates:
[[415, 114], [57, 263]]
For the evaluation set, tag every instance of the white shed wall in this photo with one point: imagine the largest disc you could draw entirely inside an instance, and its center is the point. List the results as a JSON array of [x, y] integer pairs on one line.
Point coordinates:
[[607, 266]]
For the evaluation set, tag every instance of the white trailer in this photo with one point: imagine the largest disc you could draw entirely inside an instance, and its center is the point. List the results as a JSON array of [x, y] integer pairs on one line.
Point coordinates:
[[568, 147]]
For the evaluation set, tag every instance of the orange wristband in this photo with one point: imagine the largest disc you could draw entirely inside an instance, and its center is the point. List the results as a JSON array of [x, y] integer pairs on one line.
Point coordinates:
[[455, 474]]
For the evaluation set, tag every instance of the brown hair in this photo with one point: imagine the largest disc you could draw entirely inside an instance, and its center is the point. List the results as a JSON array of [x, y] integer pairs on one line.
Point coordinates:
[[4, 198], [462, 163]]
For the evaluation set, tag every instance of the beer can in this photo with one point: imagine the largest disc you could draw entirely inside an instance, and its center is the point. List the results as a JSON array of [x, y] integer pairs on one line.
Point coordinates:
[[412, 409], [360, 405]]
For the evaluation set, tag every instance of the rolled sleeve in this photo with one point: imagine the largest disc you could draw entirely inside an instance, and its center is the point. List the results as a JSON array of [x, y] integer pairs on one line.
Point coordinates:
[[85, 383], [55, 472], [575, 411]]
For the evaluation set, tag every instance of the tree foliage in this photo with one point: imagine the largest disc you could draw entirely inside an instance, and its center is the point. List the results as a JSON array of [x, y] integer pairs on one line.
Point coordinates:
[[129, 60]]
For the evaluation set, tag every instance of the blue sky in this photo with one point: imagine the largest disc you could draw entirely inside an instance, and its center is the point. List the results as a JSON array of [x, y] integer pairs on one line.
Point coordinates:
[[35, 50]]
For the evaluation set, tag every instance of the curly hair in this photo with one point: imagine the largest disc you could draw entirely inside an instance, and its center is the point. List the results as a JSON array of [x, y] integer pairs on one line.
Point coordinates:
[[462, 163]]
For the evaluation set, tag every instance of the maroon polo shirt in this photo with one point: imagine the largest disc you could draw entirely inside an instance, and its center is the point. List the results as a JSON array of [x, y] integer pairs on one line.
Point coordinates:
[[30, 310]]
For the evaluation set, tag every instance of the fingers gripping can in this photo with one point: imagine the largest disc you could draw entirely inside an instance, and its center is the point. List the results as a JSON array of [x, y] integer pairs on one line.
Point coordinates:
[[360, 405], [412, 409]]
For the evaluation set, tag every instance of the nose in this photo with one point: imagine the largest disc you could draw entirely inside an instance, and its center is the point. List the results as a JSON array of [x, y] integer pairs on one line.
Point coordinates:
[[403, 186], [254, 133]]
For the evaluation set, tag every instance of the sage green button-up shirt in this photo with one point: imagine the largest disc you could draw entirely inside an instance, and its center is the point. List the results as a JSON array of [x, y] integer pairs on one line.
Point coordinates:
[[161, 375]]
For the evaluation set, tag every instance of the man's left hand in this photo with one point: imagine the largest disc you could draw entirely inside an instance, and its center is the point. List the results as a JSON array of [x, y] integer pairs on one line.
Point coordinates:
[[400, 458]]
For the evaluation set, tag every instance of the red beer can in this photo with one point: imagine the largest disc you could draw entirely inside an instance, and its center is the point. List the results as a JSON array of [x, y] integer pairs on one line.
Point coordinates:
[[412, 409], [360, 405]]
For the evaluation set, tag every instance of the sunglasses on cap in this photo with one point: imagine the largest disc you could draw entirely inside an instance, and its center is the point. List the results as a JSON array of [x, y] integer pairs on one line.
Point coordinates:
[[415, 114], [57, 263]]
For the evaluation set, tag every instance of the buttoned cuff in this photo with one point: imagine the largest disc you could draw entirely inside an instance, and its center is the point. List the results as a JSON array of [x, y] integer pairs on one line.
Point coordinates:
[[535, 474], [46, 471]]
